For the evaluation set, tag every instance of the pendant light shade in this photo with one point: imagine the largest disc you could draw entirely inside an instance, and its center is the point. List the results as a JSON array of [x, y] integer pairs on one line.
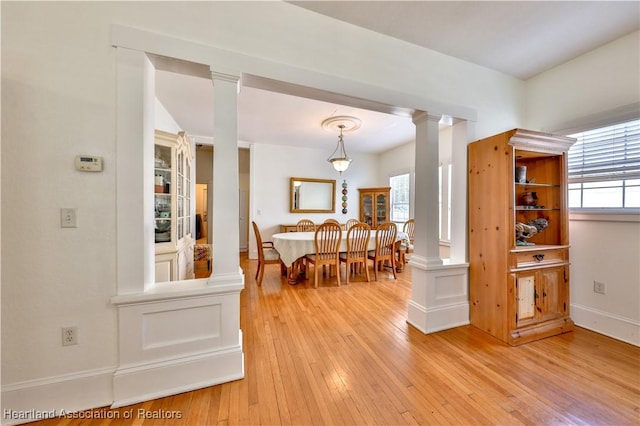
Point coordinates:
[[339, 158]]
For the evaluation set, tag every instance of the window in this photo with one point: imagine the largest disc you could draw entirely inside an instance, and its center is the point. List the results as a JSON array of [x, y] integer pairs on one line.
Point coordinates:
[[399, 197], [604, 167], [444, 200]]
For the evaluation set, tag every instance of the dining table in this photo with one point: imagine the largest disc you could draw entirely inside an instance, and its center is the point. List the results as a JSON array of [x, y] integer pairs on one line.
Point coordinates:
[[295, 245]]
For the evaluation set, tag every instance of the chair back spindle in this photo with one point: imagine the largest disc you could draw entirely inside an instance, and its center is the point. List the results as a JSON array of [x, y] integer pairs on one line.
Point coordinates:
[[305, 225], [351, 222]]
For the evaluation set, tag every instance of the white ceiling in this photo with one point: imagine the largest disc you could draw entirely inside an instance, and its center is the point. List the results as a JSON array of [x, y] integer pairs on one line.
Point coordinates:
[[521, 39]]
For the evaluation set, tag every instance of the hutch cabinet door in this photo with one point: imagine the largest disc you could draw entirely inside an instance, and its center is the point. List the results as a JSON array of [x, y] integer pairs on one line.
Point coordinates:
[[526, 295], [382, 207], [366, 209], [540, 295], [552, 302]]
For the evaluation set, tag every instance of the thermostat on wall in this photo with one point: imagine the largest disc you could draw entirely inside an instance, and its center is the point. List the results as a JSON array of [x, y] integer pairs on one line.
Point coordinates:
[[88, 163]]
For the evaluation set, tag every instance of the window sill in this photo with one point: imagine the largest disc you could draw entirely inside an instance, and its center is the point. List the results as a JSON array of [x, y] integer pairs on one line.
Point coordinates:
[[605, 215]]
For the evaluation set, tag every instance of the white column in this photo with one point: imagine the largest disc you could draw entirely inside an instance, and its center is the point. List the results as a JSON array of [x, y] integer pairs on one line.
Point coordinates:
[[439, 293], [462, 132], [427, 228], [225, 204], [134, 196]]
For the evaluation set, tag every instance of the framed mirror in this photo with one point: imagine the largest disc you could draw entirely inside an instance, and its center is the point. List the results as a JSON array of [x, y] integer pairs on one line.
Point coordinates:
[[312, 195]]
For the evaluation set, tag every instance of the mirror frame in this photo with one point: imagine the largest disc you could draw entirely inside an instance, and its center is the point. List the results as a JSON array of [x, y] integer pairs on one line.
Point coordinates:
[[292, 207]]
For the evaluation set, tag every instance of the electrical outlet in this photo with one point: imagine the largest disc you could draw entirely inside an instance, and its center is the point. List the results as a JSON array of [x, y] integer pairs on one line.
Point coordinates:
[[69, 336], [68, 218], [598, 287]]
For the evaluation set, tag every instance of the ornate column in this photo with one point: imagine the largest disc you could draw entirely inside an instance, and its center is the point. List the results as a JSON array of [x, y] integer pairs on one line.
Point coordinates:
[[439, 297], [427, 231], [135, 147], [461, 135], [224, 206]]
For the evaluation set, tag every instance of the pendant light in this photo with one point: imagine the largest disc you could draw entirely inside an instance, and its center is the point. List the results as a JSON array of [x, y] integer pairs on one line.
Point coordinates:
[[339, 158]]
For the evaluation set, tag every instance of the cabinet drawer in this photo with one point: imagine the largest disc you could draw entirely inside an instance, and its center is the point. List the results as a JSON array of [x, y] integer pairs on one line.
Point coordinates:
[[537, 258]]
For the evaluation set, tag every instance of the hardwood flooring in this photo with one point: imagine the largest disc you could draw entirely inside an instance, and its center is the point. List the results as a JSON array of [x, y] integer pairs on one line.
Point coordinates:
[[346, 356]]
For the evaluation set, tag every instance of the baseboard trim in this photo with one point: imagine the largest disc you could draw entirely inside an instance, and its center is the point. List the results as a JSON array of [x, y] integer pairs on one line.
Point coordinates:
[[134, 384], [53, 396], [432, 320], [416, 316], [611, 325]]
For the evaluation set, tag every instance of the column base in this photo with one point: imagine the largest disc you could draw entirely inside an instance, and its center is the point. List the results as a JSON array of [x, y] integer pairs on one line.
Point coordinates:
[[440, 295]]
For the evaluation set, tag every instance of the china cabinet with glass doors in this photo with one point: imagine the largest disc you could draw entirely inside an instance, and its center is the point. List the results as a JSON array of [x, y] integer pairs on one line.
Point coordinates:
[[374, 205], [519, 235], [173, 215]]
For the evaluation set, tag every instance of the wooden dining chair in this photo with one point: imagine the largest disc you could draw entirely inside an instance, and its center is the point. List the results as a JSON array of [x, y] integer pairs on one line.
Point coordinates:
[[357, 249], [305, 225], [385, 250], [406, 247], [351, 222], [408, 228], [327, 245], [267, 254]]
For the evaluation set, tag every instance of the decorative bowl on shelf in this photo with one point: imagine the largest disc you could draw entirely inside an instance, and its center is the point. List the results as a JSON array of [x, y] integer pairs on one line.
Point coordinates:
[[163, 226], [525, 231], [529, 199]]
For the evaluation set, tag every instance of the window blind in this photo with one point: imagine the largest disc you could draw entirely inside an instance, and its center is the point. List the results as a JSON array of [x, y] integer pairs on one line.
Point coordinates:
[[606, 154]]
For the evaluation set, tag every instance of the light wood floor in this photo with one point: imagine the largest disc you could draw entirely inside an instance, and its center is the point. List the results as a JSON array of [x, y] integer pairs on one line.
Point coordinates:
[[334, 356]]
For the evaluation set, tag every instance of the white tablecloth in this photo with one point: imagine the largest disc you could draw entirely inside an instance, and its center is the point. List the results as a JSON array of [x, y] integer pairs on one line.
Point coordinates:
[[294, 245]]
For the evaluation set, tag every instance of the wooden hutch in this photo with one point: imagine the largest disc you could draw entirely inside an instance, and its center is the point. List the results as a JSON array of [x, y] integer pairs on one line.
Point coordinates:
[[519, 269], [374, 205]]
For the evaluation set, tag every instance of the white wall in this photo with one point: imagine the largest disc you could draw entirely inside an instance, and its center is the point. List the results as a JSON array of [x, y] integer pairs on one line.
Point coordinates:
[[608, 252], [396, 161], [586, 88], [163, 120], [271, 168], [595, 89], [59, 97]]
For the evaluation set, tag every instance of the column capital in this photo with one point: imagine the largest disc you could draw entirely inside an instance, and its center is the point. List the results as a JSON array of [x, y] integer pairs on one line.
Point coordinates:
[[231, 78], [422, 116]]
